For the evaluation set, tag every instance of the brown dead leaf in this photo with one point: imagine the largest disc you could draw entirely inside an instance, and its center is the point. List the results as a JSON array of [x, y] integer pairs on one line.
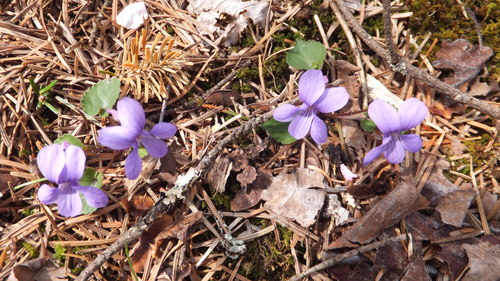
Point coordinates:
[[450, 201], [248, 197], [416, 271], [481, 89], [453, 255], [40, 269], [247, 176], [239, 160], [484, 261], [437, 108], [137, 206], [427, 227], [170, 163], [465, 61], [145, 249], [291, 196], [349, 76], [388, 211], [223, 97], [6, 182], [454, 205]]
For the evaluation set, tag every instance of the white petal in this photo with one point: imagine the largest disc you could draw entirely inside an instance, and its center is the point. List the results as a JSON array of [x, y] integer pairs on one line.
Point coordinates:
[[132, 16]]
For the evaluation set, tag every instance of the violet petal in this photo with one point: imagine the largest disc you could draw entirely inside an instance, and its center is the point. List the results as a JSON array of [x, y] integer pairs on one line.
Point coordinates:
[[133, 164], [117, 137], [394, 153], [75, 165], [384, 115], [285, 113], [411, 142], [331, 100], [155, 147], [69, 201], [311, 86], [131, 115], [301, 124], [93, 195], [376, 151], [47, 194], [51, 161], [411, 113], [319, 131], [164, 130]]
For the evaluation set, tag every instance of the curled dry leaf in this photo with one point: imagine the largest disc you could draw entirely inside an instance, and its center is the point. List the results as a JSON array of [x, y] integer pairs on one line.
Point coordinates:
[[388, 211], [465, 61], [40, 269], [137, 206], [248, 197], [291, 196], [223, 97]]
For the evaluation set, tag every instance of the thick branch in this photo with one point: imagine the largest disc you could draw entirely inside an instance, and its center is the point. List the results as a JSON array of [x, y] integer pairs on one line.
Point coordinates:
[[406, 68]]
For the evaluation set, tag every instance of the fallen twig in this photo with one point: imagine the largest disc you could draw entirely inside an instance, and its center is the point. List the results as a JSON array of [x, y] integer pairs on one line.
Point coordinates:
[[336, 259], [406, 68], [174, 195]]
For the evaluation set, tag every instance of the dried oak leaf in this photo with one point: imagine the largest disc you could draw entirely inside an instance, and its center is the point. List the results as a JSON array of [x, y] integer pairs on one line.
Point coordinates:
[[40, 269], [386, 212], [137, 206], [484, 261], [465, 61], [248, 197], [393, 260], [291, 196]]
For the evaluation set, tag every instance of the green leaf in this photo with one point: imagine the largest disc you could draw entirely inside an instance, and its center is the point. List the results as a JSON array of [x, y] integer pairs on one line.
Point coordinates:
[[278, 130], [69, 139], [101, 96], [368, 125], [93, 178], [306, 55], [48, 87], [142, 152]]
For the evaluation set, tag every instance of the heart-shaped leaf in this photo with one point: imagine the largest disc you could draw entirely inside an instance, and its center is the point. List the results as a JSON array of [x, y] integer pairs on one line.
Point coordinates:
[[306, 55], [101, 96]]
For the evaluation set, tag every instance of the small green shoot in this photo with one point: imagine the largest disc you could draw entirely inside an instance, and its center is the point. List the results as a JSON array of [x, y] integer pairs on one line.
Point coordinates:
[[129, 261], [43, 94], [59, 251]]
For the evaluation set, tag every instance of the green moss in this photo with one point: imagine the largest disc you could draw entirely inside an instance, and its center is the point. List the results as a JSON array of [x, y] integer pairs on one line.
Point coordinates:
[[59, 251], [27, 212], [445, 20], [31, 249], [267, 260]]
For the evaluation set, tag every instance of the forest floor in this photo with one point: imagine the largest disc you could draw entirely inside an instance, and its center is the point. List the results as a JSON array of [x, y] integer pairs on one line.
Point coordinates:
[[229, 201]]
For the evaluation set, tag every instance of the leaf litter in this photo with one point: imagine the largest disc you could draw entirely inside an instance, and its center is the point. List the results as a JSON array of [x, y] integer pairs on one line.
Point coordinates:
[[265, 193]]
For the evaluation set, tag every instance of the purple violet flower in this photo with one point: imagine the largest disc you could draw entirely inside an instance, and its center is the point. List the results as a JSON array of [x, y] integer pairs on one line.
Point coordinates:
[[64, 164], [131, 133], [391, 123], [316, 99]]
